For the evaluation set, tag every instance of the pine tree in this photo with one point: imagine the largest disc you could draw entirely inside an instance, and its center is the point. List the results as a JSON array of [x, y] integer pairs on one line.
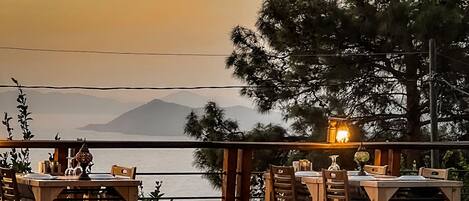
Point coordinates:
[[385, 94]]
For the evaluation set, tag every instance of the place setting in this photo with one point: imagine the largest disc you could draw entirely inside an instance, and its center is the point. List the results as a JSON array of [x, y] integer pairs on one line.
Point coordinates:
[[50, 182], [39, 176], [369, 180]]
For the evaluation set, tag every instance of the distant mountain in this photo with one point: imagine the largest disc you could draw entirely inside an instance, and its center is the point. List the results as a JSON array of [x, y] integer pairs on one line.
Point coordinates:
[[194, 100], [168, 119], [154, 118], [64, 103]]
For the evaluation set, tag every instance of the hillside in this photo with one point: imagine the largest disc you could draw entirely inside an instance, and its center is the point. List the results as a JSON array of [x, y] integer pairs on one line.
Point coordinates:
[[161, 118]]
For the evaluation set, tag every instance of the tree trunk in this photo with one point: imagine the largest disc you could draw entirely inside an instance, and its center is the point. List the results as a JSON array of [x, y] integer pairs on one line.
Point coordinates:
[[413, 132], [413, 99]]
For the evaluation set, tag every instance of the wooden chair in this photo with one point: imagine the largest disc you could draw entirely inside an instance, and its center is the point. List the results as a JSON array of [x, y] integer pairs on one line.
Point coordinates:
[[335, 184], [434, 173], [283, 183], [120, 171], [376, 169], [9, 186]]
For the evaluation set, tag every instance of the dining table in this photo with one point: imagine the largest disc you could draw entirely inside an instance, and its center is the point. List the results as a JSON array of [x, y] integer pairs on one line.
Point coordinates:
[[383, 187], [49, 188], [377, 187]]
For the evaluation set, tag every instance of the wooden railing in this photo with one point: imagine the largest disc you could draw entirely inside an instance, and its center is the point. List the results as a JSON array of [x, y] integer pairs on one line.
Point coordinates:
[[238, 155]]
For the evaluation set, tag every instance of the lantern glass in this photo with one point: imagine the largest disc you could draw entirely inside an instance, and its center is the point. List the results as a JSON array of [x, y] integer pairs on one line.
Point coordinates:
[[342, 136]]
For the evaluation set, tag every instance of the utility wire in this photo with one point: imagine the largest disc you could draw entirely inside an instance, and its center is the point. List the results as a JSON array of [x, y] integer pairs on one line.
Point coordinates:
[[112, 52], [454, 87], [148, 88], [184, 87], [196, 54]]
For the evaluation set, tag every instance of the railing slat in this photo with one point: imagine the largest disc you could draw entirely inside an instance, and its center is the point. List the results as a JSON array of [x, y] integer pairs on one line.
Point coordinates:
[[60, 155], [245, 158], [394, 161], [229, 178]]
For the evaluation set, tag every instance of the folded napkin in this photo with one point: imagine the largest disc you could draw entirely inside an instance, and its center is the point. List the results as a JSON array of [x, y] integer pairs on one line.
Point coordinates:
[[361, 178], [101, 176], [386, 178], [411, 177], [355, 173], [307, 174], [39, 176]]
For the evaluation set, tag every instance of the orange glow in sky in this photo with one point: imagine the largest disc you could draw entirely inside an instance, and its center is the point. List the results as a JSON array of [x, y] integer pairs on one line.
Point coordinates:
[[176, 26]]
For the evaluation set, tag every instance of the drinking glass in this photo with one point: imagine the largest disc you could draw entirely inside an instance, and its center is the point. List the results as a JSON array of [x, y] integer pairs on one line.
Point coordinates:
[[296, 166], [334, 165]]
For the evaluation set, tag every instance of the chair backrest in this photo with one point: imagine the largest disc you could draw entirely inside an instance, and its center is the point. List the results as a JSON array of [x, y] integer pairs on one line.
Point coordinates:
[[376, 169], [9, 186], [434, 173], [123, 171], [283, 183], [335, 184]]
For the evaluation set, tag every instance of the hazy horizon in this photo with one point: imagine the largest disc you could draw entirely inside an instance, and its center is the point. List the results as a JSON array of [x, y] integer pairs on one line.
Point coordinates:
[[179, 26]]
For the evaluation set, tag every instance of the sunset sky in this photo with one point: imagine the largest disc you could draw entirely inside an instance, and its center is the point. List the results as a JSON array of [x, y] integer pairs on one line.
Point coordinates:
[[176, 26]]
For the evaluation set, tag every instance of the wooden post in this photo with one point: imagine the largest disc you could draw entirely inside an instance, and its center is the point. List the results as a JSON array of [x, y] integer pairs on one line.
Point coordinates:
[[268, 186], [229, 177], [381, 157], [390, 157], [60, 155], [394, 162], [238, 172], [434, 155], [244, 182]]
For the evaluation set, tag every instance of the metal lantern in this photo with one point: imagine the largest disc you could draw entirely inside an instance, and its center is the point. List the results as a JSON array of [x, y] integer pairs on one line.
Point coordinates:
[[338, 130]]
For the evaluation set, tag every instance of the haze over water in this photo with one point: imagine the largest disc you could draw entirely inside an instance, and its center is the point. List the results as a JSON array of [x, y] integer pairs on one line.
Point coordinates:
[[146, 160]]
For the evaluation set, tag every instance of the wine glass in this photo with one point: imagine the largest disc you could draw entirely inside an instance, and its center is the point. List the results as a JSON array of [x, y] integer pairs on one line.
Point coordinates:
[[334, 165]]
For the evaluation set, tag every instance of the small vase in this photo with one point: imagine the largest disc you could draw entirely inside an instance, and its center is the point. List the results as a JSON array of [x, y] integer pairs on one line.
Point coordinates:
[[84, 175], [361, 157], [334, 165], [362, 170], [84, 157]]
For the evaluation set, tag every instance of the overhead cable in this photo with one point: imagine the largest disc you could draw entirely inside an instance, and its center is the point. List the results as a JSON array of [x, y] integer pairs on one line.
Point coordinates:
[[196, 54], [151, 88], [111, 52]]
